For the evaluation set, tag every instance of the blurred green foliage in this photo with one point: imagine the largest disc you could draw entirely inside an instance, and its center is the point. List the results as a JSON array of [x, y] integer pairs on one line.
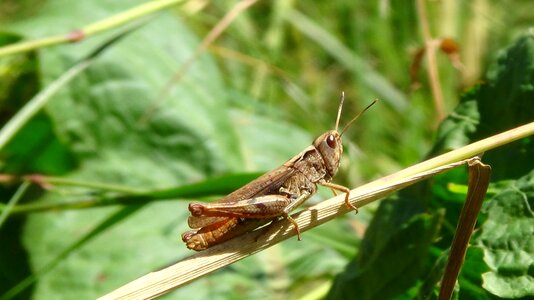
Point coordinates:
[[260, 94]]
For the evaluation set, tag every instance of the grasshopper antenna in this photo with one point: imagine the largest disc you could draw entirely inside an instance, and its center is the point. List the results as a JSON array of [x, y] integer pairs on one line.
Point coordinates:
[[356, 117], [340, 109]]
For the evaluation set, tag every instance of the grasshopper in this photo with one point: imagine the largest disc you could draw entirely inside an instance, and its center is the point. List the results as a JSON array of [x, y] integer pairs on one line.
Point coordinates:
[[272, 195]]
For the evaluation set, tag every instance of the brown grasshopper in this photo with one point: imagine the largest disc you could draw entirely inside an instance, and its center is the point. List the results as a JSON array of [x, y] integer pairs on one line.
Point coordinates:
[[272, 195]]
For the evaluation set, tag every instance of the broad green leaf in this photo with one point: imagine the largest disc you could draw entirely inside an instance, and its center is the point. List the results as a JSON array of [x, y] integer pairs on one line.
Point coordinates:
[[470, 279], [8, 38], [504, 101], [478, 116], [507, 238], [391, 257], [454, 132], [22, 286], [35, 148], [268, 143], [92, 132], [192, 133]]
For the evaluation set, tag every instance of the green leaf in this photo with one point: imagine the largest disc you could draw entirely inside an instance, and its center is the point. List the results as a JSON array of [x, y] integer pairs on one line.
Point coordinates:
[[8, 38], [36, 149], [392, 255], [511, 81], [477, 116], [102, 226], [455, 130], [470, 279], [191, 134], [505, 101], [196, 132], [507, 238]]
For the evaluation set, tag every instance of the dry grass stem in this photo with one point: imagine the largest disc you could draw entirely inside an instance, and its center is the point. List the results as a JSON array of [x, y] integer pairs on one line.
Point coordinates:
[[431, 47], [479, 179], [202, 263]]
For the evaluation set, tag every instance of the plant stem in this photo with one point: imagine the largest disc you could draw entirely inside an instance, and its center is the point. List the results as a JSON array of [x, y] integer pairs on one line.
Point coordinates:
[[479, 178], [37, 102], [81, 204], [16, 197], [46, 180], [91, 29], [211, 187], [465, 152], [165, 280], [430, 47]]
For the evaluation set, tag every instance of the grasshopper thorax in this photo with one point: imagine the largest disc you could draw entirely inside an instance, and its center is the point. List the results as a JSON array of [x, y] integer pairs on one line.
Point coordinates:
[[330, 147]]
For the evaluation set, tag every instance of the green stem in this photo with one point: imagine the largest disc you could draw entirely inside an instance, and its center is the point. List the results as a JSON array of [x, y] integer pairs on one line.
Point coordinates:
[[91, 29], [30, 45], [220, 186], [84, 184], [37, 102], [211, 187], [82, 204], [465, 152], [16, 197]]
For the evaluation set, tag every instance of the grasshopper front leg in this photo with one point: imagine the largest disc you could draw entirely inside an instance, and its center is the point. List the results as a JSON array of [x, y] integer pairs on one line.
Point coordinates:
[[336, 187]]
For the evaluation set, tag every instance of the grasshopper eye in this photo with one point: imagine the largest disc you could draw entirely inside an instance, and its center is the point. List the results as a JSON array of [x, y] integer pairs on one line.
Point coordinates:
[[331, 141]]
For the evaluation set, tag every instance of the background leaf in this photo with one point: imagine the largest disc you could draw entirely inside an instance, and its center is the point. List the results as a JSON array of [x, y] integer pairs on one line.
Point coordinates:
[[507, 237], [473, 119], [389, 260], [99, 117], [257, 97], [479, 115]]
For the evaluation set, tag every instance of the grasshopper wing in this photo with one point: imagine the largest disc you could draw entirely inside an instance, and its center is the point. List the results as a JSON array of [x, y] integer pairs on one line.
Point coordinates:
[[268, 183]]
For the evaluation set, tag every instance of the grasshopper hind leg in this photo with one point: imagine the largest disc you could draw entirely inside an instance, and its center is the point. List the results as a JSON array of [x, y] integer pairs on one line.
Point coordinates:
[[205, 237]]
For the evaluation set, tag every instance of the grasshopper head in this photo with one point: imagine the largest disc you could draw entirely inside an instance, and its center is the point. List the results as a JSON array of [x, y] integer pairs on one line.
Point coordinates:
[[330, 147], [329, 143]]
